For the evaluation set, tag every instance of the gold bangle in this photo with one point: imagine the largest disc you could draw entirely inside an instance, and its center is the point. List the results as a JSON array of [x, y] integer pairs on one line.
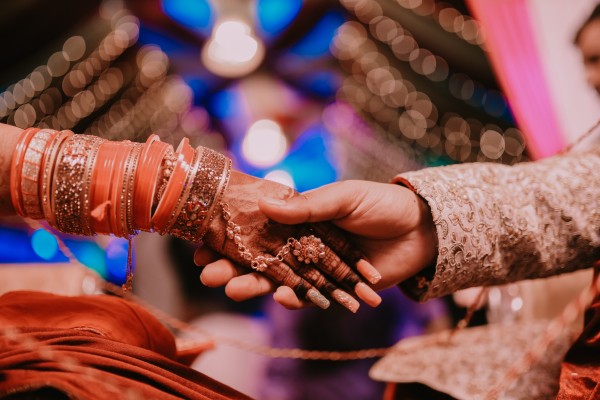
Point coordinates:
[[217, 201], [47, 189], [209, 179], [71, 185]]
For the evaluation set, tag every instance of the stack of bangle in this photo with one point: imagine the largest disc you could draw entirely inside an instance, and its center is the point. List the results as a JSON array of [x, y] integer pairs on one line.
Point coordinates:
[[86, 185]]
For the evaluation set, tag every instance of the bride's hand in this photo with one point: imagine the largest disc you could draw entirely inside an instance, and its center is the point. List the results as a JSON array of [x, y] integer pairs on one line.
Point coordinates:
[[259, 236]]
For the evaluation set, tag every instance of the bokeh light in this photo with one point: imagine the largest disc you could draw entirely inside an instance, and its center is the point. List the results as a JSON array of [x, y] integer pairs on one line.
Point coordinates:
[[274, 16], [265, 143], [44, 244], [310, 160], [116, 260], [317, 41], [194, 14], [281, 176], [233, 50]]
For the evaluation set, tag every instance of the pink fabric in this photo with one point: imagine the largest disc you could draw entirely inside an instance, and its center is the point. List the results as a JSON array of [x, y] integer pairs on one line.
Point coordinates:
[[513, 51]]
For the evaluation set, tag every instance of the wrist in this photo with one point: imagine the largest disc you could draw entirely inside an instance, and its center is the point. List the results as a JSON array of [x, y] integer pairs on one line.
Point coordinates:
[[429, 233]]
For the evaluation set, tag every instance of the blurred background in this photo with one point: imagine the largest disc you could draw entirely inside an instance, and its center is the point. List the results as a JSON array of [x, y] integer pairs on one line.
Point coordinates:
[[303, 92]]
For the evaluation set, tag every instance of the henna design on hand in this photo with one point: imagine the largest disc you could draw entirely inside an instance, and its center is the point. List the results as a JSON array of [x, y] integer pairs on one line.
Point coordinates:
[[265, 238]]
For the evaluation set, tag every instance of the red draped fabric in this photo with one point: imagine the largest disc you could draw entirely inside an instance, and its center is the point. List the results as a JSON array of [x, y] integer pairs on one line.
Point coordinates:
[[93, 347]]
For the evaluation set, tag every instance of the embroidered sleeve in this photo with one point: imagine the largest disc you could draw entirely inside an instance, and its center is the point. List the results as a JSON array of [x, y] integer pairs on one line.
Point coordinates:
[[497, 224]]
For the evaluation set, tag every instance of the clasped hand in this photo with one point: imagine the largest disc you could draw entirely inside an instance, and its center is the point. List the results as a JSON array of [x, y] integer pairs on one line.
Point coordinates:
[[375, 235]]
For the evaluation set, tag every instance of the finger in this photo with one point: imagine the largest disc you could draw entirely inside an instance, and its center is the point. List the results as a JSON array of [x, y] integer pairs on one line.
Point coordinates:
[[247, 286], [320, 281], [281, 273], [346, 250], [287, 298], [205, 255], [367, 270], [332, 265], [330, 202], [220, 272]]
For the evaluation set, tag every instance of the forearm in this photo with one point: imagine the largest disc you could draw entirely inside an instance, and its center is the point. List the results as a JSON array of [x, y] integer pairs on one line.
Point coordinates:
[[9, 136], [497, 224]]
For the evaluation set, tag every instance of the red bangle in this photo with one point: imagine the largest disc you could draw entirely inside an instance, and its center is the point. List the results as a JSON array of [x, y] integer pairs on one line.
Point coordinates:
[[87, 199], [146, 178], [127, 191], [172, 195], [100, 188], [116, 188], [16, 169]]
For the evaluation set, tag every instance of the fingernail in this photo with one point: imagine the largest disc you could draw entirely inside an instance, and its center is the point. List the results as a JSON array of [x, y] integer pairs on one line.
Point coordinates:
[[368, 271], [274, 202], [366, 293], [345, 300], [318, 299]]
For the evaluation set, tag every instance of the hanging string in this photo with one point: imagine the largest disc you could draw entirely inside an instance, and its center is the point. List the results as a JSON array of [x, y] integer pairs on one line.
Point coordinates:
[[128, 285], [581, 138], [463, 323]]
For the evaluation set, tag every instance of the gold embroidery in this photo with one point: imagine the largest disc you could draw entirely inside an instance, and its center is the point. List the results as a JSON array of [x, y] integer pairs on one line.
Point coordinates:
[[497, 224]]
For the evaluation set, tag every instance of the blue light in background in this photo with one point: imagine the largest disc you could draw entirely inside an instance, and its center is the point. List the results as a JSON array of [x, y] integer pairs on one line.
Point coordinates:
[[194, 14], [17, 247], [89, 254], [167, 43], [276, 15], [494, 103], [322, 83], [44, 244], [316, 42], [116, 261], [223, 104], [309, 160], [199, 86]]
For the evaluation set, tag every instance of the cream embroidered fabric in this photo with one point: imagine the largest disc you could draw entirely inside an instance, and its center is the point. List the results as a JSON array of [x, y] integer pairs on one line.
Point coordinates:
[[499, 224], [475, 360]]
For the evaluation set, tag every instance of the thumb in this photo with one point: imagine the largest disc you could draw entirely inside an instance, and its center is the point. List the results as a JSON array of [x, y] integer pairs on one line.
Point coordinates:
[[331, 202]]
